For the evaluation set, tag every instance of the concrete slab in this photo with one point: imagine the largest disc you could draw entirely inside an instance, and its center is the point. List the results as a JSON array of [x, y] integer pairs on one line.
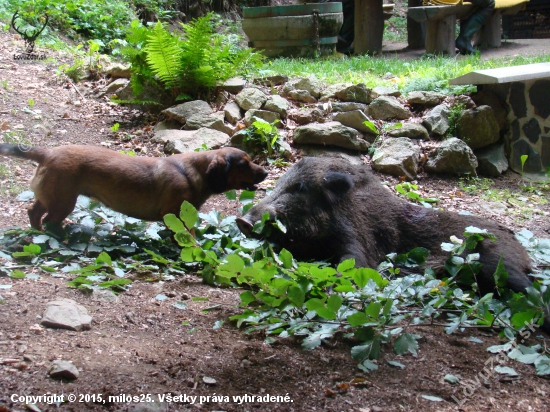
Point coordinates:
[[505, 74]]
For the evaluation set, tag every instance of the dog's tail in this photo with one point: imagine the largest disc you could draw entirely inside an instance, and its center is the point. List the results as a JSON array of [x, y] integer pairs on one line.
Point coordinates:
[[22, 151]]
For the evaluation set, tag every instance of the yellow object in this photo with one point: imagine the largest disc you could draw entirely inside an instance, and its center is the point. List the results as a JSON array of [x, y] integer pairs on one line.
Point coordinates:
[[499, 4]]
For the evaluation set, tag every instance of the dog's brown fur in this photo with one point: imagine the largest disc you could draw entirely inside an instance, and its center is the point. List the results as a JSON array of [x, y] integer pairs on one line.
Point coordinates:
[[142, 187]]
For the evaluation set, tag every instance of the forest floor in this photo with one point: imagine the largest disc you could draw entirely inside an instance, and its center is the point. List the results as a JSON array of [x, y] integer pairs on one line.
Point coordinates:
[[139, 345]]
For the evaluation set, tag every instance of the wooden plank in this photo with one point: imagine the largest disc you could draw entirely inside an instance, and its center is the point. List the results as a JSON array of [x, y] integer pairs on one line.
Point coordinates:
[[422, 14], [492, 31], [369, 26]]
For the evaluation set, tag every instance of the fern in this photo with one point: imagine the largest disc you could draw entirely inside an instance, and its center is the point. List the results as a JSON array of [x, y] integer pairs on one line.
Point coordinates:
[[163, 55]]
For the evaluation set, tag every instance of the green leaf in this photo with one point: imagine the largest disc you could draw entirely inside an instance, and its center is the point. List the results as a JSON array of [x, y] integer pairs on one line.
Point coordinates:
[[505, 370], [363, 275], [346, 265], [357, 319], [231, 195], [173, 223], [371, 126], [188, 215], [432, 398], [367, 366], [396, 364], [373, 310], [184, 238], [369, 350], [247, 297], [104, 258], [500, 275], [542, 366], [452, 379], [314, 304], [521, 319], [17, 274], [406, 343], [296, 296], [334, 303], [326, 313], [286, 258]]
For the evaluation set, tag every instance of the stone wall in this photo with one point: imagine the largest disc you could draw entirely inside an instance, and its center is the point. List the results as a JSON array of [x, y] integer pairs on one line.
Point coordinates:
[[528, 104]]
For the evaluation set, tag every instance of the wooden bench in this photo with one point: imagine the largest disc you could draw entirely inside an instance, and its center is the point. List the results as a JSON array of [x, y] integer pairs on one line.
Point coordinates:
[[441, 25]]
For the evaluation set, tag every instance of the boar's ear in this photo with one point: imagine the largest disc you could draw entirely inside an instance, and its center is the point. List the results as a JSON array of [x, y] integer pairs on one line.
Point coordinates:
[[338, 183]]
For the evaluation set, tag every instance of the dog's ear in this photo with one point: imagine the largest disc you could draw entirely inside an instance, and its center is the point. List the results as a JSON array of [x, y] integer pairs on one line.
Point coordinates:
[[216, 174]]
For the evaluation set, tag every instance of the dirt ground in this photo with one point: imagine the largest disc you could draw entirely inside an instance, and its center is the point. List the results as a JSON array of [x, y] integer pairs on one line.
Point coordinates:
[[141, 346]]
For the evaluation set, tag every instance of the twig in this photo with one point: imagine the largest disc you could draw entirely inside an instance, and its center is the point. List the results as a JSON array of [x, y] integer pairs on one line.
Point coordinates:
[[76, 88]]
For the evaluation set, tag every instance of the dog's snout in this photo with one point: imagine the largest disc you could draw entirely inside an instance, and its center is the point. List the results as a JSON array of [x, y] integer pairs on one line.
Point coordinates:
[[261, 175]]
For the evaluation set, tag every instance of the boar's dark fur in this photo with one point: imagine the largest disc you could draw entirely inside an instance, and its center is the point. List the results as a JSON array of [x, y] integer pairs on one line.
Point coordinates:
[[334, 210]]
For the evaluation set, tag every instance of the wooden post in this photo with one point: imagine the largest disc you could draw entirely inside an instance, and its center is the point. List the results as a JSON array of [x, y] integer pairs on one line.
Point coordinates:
[[369, 26], [440, 35], [491, 32], [416, 32]]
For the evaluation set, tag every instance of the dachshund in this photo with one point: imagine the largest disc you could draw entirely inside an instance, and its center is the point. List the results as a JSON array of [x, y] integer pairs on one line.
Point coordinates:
[[142, 187]]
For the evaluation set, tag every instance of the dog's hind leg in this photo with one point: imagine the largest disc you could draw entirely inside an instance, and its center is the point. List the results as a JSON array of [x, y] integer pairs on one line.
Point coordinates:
[[35, 212]]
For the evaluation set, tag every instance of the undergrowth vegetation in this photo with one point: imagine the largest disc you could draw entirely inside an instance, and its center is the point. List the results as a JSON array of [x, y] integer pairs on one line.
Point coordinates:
[[282, 297]]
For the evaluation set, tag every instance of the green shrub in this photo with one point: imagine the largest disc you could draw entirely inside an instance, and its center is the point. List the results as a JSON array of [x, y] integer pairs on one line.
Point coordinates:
[[98, 19], [183, 69]]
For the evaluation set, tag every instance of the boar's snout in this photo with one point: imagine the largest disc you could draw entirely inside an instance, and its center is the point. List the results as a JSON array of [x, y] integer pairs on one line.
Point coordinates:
[[245, 226]]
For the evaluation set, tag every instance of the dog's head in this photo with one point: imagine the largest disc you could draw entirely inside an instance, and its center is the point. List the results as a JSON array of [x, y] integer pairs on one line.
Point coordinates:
[[233, 169]]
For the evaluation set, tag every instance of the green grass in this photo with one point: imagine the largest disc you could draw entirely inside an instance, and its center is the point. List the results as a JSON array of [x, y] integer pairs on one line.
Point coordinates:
[[426, 73]]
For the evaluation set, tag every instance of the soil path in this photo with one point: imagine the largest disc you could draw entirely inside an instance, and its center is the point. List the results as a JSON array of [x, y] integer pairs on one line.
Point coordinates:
[[139, 345]]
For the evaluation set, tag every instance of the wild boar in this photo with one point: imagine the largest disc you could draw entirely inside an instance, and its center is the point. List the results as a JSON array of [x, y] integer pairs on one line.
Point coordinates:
[[334, 211]]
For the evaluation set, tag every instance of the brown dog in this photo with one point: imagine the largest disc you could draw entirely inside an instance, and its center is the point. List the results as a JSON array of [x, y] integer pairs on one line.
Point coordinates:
[[142, 187]]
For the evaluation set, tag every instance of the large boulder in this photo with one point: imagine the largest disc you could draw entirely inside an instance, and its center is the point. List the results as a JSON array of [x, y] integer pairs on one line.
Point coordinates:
[[388, 107], [478, 127], [356, 119], [398, 157], [437, 120], [183, 111], [331, 134], [251, 98], [453, 156], [491, 160], [410, 130]]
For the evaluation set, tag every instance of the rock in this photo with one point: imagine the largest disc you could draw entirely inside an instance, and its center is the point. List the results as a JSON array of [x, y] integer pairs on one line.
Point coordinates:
[[105, 295], [305, 116], [166, 125], [148, 407], [332, 134], [277, 104], [410, 130], [183, 141], [452, 156], [330, 91], [211, 121], [114, 86], [465, 101], [251, 115], [387, 107], [232, 112], [275, 80], [491, 160], [425, 98], [250, 98], [183, 111], [301, 96], [61, 369], [437, 120], [356, 119], [309, 84], [358, 93], [384, 91], [66, 314], [118, 70], [348, 106], [397, 157], [478, 127], [233, 85], [333, 152], [485, 97], [497, 208]]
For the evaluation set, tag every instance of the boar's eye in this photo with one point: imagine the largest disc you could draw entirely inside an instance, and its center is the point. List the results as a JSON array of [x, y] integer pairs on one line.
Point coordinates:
[[338, 182], [297, 187]]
